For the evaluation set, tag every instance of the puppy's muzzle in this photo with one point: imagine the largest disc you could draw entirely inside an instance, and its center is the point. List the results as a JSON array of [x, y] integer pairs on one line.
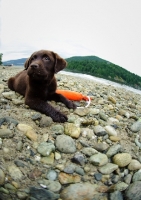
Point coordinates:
[[34, 66]]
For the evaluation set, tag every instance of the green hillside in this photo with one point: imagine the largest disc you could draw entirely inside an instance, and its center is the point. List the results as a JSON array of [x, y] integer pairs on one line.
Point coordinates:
[[104, 69]]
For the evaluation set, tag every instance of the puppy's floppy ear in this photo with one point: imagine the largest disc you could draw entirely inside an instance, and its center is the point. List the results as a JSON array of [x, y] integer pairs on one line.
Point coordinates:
[[26, 64], [60, 63]]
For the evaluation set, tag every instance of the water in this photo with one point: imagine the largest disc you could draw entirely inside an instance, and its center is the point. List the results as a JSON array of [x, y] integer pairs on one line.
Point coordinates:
[[101, 80]]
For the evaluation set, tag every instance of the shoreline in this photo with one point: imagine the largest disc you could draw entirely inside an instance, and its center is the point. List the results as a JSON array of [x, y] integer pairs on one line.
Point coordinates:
[[101, 80]]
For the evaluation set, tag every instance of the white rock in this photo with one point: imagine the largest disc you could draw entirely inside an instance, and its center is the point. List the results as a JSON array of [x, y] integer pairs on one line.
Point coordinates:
[[57, 156], [9, 95], [112, 120], [111, 131], [24, 128]]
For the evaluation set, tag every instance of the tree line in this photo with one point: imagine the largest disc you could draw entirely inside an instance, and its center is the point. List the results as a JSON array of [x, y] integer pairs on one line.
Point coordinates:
[[104, 69]]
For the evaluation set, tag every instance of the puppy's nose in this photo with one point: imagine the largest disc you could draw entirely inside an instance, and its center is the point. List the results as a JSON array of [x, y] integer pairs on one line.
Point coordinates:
[[34, 66]]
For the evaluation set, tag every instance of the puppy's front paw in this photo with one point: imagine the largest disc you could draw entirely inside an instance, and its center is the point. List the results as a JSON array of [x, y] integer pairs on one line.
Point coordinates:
[[71, 105], [59, 117]]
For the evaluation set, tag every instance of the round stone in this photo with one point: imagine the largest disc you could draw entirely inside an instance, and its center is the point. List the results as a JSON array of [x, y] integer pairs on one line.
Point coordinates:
[[113, 150], [72, 130], [110, 130], [134, 165], [45, 149], [79, 191], [108, 168], [65, 144], [99, 159], [98, 176], [122, 159], [24, 128], [89, 151], [99, 130], [52, 175]]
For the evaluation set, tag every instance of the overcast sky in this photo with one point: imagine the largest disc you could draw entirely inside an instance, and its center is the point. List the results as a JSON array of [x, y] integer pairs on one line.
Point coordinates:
[[109, 29]]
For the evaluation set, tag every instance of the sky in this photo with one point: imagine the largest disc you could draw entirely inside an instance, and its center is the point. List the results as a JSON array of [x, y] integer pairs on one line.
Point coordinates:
[[109, 29]]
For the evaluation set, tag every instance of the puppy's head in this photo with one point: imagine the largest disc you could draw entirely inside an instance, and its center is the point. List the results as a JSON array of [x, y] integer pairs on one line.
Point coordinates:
[[43, 64]]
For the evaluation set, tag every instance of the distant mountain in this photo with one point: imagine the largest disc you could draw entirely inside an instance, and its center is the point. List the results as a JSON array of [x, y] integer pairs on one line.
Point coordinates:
[[18, 62]]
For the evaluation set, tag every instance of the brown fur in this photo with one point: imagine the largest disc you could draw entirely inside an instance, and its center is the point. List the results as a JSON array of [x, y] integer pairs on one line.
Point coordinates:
[[38, 84]]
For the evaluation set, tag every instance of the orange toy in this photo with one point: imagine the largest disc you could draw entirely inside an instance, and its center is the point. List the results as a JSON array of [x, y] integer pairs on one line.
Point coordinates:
[[71, 95]]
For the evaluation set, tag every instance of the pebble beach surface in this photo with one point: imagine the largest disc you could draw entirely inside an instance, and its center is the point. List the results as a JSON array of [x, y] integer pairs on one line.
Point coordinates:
[[96, 155]]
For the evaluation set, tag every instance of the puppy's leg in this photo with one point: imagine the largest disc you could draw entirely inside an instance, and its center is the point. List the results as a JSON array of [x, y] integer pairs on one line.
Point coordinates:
[[11, 83], [61, 98], [45, 108]]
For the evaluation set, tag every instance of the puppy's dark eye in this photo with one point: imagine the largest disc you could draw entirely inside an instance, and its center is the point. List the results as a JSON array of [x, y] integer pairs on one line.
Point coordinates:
[[47, 58]]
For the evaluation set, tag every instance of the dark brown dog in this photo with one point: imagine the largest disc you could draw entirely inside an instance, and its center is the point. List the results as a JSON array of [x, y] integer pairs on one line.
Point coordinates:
[[38, 84]]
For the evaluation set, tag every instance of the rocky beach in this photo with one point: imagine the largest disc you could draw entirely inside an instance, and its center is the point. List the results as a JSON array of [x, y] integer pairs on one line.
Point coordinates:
[[96, 155]]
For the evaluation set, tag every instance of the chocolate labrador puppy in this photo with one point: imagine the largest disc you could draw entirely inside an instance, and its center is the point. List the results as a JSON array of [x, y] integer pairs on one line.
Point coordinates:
[[38, 84]]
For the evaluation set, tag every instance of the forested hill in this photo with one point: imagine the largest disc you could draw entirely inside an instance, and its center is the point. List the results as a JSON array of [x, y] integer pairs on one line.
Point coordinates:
[[104, 69]]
